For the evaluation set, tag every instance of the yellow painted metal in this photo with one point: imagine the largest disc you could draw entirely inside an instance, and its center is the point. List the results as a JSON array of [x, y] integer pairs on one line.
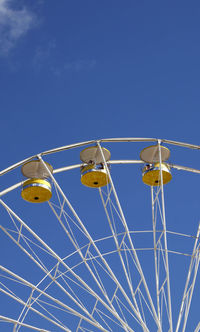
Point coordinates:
[[36, 190], [94, 177], [151, 174]]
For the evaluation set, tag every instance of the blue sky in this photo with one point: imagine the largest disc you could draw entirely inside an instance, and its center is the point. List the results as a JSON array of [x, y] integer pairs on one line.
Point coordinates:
[[81, 70], [73, 71]]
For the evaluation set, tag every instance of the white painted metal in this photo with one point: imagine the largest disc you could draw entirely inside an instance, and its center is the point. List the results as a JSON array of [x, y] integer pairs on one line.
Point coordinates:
[[165, 241], [14, 321], [109, 140], [130, 240], [189, 287], [35, 288], [129, 297], [58, 259], [99, 253]]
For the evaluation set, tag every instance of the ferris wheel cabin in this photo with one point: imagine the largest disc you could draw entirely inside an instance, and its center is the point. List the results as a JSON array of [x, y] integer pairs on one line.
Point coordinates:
[[37, 189], [93, 172], [151, 173]]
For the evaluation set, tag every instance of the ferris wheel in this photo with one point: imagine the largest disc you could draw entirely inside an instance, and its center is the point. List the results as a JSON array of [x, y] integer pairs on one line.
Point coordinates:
[[102, 235]]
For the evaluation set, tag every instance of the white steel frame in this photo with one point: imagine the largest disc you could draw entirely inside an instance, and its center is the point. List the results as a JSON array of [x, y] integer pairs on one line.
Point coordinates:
[[131, 298]]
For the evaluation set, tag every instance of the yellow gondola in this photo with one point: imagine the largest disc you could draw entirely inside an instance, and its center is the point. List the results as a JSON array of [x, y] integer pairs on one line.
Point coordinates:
[[94, 176], [152, 177], [37, 188]]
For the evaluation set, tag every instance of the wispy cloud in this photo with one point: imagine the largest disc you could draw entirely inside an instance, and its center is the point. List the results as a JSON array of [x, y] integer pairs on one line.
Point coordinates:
[[80, 65], [47, 57], [44, 55], [14, 24], [76, 66]]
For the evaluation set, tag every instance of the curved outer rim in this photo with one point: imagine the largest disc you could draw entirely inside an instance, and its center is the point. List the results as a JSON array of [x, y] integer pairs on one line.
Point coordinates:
[[108, 140]]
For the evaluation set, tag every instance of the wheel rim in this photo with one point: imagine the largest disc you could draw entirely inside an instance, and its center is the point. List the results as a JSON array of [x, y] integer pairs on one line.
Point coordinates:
[[91, 270]]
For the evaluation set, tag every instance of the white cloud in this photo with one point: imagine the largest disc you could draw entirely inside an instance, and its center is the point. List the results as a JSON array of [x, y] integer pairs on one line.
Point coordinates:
[[44, 53], [80, 65], [47, 58], [14, 24]]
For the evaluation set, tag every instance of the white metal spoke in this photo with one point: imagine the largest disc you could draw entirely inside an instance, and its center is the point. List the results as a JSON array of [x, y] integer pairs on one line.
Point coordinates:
[[97, 279], [42, 292], [52, 277], [197, 328], [160, 256], [14, 322], [189, 286], [94, 245], [130, 240], [34, 310], [127, 276], [64, 264], [165, 240], [81, 255], [75, 263], [70, 270], [155, 255]]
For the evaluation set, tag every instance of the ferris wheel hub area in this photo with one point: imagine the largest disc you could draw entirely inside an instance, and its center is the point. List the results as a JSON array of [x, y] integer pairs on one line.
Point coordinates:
[[150, 154]]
